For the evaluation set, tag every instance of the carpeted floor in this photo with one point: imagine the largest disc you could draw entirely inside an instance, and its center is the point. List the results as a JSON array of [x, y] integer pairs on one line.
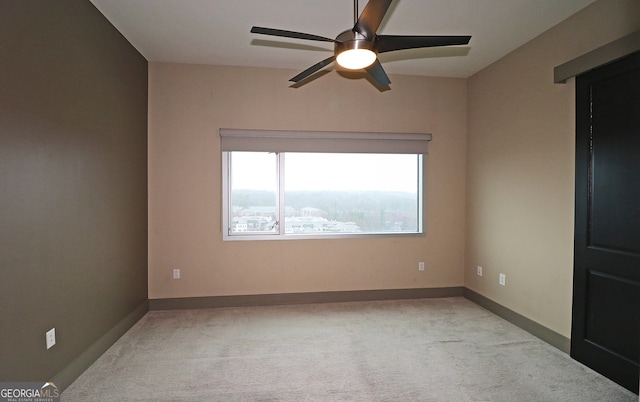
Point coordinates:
[[412, 350]]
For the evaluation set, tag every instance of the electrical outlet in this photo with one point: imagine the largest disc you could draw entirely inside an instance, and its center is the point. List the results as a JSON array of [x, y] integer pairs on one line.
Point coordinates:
[[51, 337], [421, 266], [176, 274], [479, 270], [502, 280]]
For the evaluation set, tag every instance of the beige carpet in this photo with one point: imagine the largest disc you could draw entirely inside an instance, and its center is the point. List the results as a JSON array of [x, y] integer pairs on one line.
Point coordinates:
[[413, 350]]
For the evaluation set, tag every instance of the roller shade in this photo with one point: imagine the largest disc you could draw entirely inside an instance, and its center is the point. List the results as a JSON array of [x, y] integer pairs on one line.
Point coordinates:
[[323, 141]]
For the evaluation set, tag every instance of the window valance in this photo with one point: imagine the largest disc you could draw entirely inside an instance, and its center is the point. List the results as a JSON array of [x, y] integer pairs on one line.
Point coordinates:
[[322, 141]]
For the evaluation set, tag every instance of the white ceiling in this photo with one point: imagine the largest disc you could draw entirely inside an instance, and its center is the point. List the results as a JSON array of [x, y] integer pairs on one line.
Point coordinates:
[[217, 31]]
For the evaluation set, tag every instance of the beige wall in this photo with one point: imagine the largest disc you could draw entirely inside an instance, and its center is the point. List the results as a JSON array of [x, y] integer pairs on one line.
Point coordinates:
[[520, 167], [187, 106]]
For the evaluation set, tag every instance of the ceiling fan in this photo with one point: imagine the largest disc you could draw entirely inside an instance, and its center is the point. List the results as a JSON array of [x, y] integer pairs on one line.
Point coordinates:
[[358, 48]]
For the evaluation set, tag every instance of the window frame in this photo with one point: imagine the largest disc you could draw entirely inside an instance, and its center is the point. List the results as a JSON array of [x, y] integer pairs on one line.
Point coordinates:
[[320, 142]]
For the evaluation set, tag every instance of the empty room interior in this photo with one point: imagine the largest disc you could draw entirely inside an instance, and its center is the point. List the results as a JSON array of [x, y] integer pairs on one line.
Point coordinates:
[[115, 183]]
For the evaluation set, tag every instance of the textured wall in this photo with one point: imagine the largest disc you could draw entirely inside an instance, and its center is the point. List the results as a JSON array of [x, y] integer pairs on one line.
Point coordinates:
[[73, 183], [187, 106]]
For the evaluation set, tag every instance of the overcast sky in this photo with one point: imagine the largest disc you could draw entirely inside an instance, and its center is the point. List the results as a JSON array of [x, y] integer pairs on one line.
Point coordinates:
[[317, 171]]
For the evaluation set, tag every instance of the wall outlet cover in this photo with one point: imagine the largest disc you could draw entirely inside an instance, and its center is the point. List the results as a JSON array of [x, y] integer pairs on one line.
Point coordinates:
[[51, 337]]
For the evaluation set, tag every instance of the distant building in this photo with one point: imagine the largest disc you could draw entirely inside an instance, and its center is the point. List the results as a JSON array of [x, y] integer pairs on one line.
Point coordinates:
[[252, 224], [312, 211], [305, 224]]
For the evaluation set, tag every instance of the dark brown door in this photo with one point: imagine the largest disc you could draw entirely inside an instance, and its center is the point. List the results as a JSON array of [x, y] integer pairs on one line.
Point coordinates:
[[605, 331]]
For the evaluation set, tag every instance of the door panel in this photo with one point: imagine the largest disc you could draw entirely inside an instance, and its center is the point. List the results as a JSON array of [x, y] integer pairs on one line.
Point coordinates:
[[605, 331], [615, 210], [607, 325]]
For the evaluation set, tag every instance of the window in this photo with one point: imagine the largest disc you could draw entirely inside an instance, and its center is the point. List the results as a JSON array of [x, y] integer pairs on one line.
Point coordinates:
[[282, 184]]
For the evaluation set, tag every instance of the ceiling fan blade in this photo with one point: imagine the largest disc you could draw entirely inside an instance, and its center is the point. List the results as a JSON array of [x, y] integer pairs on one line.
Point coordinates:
[[389, 43], [378, 74], [371, 17], [289, 34], [313, 69]]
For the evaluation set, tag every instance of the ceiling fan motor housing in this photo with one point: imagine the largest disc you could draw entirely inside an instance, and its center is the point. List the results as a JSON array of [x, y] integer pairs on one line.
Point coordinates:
[[349, 40]]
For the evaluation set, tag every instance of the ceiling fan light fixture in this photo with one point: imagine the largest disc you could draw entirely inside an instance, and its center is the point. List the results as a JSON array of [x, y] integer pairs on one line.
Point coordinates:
[[354, 59]]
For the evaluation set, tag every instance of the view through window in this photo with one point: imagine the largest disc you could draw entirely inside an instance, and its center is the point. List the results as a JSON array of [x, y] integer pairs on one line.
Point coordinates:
[[304, 194]]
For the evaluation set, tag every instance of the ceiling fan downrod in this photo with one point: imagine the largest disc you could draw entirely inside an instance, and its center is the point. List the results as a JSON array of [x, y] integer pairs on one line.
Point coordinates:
[[355, 11]]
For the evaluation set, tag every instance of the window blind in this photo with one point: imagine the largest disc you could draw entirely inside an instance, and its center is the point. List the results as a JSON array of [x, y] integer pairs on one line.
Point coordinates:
[[322, 141]]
